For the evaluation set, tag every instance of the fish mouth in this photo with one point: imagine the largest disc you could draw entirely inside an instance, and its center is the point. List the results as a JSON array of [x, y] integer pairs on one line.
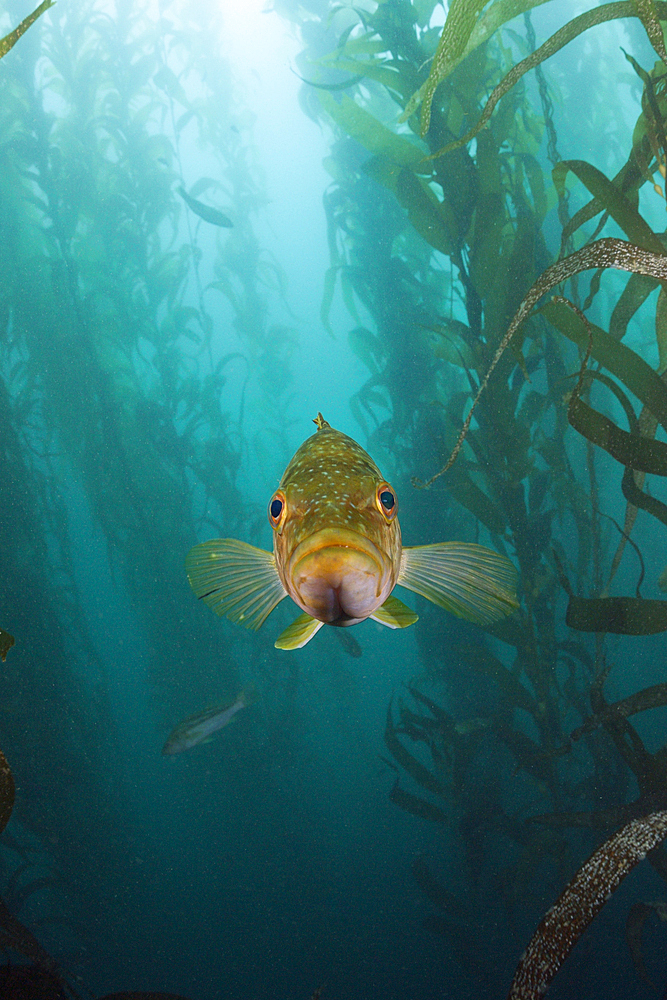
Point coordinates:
[[339, 576]]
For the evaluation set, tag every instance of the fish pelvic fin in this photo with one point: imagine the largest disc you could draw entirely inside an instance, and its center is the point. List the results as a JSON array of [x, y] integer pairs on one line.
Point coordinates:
[[468, 580], [299, 632], [394, 614], [235, 579]]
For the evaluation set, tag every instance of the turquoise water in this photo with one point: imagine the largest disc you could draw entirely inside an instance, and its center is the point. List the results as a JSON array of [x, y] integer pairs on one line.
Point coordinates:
[[157, 372]]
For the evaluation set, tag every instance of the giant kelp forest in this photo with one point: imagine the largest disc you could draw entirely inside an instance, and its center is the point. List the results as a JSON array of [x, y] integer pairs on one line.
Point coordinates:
[[496, 236]]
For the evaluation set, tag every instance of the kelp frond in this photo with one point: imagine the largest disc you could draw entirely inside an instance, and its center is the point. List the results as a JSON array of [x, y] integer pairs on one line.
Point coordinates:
[[607, 252], [451, 49], [12, 38]]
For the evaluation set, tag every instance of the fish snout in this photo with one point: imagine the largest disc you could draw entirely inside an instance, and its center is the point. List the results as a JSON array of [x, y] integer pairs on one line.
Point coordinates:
[[339, 579]]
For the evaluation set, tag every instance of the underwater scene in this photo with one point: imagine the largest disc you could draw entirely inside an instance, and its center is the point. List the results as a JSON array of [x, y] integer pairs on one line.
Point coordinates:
[[333, 518]]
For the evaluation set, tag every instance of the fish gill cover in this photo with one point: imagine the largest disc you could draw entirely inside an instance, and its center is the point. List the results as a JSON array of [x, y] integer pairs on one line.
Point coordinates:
[[130, 305]]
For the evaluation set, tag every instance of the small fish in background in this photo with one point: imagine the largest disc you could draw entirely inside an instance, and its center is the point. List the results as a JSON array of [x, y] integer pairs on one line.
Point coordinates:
[[205, 212], [337, 552], [200, 727]]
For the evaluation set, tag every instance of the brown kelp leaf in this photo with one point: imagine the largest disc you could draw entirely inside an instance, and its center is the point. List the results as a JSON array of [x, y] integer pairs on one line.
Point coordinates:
[[621, 361], [650, 697], [601, 14], [638, 453], [633, 933], [621, 209], [15, 937], [648, 14], [581, 901], [6, 792], [637, 289], [458, 27], [414, 767], [605, 819], [647, 425], [12, 38], [634, 495], [620, 615], [415, 805], [436, 893], [608, 252], [6, 643]]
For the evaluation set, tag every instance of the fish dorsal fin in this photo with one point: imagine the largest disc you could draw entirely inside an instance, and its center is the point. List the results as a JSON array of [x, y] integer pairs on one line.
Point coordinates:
[[235, 579], [395, 614], [299, 632], [469, 580]]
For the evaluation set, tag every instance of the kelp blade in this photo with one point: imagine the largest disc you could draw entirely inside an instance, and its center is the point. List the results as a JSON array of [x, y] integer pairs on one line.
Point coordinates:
[[12, 38], [6, 642], [620, 615], [581, 902], [6, 791]]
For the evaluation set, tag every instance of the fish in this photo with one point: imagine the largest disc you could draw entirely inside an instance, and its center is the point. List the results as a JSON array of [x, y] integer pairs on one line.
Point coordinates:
[[338, 553], [205, 212], [200, 727]]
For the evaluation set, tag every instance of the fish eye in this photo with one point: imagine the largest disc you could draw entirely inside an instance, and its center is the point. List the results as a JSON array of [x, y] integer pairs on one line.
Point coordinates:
[[386, 501], [277, 510]]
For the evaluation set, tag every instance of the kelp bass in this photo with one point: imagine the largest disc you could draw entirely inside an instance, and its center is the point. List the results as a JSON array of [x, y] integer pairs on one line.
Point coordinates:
[[337, 553]]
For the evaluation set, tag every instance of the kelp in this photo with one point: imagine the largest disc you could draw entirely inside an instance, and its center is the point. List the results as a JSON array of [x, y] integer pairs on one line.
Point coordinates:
[[14, 936], [581, 901], [415, 804], [205, 212], [12, 38], [420, 774], [642, 701], [619, 615], [128, 356], [437, 893], [435, 256], [637, 916], [6, 642], [7, 791], [451, 48], [604, 819], [607, 252]]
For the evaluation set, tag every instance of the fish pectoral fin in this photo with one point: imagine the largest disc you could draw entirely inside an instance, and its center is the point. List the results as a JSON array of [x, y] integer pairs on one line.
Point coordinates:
[[235, 579], [394, 614], [469, 580], [299, 632]]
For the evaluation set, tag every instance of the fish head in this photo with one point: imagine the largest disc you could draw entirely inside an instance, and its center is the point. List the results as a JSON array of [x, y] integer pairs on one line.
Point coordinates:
[[337, 540]]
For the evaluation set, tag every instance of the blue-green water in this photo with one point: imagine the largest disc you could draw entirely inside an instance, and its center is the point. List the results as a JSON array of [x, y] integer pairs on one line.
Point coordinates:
[[158, 371]]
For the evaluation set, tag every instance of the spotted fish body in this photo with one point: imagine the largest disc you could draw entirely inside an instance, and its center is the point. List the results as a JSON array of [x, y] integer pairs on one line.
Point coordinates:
[[337, 546], [338, 554]]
